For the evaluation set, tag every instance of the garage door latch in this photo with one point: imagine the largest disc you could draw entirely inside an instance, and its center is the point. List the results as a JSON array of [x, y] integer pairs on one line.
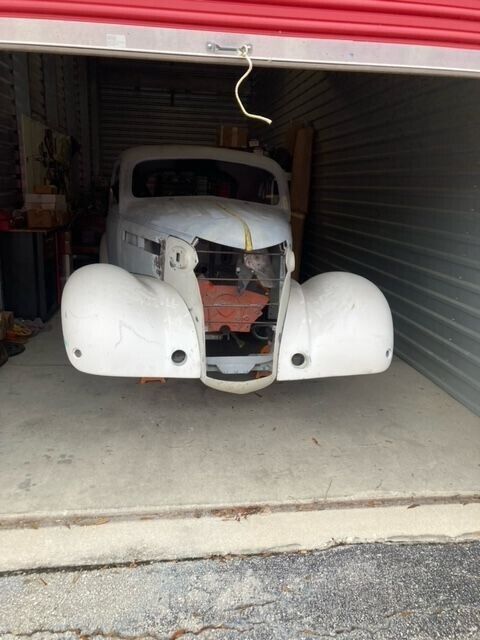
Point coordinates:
[[213, 47]]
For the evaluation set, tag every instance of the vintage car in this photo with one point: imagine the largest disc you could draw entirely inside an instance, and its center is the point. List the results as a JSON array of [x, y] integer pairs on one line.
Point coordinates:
[[194, 281]]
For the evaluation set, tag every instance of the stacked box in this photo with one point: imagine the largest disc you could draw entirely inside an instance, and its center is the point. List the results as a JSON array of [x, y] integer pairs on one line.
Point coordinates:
[[46, 210], [233, 137]]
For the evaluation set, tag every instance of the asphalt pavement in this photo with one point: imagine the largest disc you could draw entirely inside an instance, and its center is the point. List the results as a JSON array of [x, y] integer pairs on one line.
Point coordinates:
[[358, 592]]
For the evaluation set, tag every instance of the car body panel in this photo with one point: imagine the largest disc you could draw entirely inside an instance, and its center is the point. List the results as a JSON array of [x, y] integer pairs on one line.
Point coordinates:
[[129, 316], [118, 324], [341, 323]]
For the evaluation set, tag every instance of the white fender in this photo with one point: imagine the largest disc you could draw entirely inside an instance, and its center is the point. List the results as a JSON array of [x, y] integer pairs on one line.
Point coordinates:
[[118, 324], [341, 323]]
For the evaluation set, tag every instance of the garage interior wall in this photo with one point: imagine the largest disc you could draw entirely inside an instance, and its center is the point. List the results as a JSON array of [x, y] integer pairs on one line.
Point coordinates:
[[395, 198], [162, 103], [8, 134], [8, 140], [52, 89]]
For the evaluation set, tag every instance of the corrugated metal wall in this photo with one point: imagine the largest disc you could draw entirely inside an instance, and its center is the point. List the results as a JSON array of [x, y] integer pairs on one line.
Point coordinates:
[[395, 197], [36, 86], [21, 85], [22, 106], [157, 103], [77, 118], [55, 88], [8, 135], [8, 140]]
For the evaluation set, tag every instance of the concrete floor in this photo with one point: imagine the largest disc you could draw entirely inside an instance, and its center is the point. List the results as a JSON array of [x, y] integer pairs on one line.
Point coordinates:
[[78, 446]]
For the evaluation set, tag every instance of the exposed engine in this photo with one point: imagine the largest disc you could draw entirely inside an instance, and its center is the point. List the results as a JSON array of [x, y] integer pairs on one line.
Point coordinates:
[[240, 293], [226, 307], [255, 264]]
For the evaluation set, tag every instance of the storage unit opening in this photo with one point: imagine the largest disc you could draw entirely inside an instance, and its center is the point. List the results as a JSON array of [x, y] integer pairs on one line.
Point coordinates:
[[393, 197]]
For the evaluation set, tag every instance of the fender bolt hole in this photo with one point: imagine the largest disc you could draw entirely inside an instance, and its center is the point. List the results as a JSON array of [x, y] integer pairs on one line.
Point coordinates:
[[298, 359], [388, 353], [77, 353], [179, 356]]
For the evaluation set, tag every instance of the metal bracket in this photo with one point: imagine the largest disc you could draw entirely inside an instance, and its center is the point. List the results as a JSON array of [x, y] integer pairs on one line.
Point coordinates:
[[213, 47]]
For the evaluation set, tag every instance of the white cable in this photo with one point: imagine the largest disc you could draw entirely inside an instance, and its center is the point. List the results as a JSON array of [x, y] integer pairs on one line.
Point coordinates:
[[244, 53]]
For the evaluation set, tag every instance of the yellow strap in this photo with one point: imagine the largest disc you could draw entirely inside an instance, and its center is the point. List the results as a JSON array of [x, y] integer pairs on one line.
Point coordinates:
[[246, 230]]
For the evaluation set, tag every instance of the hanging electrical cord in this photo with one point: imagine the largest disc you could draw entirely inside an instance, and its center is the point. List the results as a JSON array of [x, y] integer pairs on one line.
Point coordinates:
[[243, 51]]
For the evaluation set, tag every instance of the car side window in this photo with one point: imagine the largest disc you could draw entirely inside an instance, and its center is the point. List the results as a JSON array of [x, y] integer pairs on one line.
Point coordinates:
[[115, 184]]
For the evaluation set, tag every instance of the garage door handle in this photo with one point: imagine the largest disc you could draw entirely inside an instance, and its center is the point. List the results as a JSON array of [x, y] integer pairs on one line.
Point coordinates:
[[213, 47]]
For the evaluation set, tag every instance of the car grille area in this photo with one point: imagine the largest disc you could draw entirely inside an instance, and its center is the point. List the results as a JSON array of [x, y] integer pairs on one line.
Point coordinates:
[[240, 293]]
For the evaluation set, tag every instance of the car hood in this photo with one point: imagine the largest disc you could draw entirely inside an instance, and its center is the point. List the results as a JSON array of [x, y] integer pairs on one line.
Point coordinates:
[[233, 223]]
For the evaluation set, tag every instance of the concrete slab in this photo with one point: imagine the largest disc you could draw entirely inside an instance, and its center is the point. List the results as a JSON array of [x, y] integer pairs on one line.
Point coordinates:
[[77, 450]]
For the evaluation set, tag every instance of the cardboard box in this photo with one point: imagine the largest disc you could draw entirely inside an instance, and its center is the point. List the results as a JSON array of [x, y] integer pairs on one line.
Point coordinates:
[[44, 188], [47, 218], [45, 201], [233, 137], [41, 218]]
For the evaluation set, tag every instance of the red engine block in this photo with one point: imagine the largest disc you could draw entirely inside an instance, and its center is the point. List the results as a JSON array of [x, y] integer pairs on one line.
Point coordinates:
[[224, 306]]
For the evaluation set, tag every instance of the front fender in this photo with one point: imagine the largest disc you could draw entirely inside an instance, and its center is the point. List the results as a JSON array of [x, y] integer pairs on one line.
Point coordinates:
[[341, 323], [118, 324]]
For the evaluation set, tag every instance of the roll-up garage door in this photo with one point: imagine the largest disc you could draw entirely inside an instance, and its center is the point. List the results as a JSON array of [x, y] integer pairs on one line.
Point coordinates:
[[443, 22], [156, 103]]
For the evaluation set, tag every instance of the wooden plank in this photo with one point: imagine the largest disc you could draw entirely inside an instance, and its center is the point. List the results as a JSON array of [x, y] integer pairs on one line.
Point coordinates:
[[301, 170]]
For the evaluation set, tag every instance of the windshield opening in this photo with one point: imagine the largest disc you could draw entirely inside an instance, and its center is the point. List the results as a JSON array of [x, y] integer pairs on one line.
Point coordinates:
[[203, 177]]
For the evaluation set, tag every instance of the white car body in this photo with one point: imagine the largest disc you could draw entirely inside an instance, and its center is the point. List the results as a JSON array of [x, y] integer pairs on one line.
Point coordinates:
[[143, 311]]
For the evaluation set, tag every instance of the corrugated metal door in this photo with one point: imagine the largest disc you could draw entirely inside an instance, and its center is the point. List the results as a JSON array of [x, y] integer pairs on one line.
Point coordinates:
[[443, 22], [395, 197], [145, 103]]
